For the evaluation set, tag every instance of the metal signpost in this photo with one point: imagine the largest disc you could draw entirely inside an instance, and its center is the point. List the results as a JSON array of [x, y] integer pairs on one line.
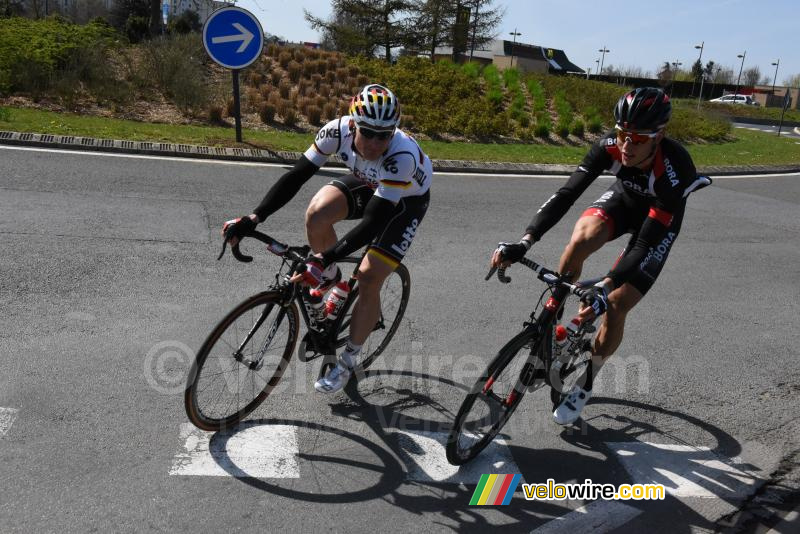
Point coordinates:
[[234, 39]]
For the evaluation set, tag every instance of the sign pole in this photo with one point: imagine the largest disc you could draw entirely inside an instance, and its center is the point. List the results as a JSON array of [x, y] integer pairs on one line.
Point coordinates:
[[236, 105]]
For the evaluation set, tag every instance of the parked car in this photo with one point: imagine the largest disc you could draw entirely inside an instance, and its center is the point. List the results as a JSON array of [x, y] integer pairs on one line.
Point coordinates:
[[736, 99]]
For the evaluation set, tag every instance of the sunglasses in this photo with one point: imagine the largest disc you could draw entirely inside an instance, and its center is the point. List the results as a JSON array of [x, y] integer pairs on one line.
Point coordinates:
[[373, 134], [636, 138]]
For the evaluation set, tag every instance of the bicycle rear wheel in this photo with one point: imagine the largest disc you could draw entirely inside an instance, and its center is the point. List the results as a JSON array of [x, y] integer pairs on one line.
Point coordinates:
[[241, 361], [493, 399]]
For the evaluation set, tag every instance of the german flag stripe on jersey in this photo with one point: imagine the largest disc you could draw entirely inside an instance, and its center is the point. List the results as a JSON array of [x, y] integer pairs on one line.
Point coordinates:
[[396, 183], [385, 258]]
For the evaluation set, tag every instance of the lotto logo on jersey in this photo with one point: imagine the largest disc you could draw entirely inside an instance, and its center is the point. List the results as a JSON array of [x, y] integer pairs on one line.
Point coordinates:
[[408, 236]]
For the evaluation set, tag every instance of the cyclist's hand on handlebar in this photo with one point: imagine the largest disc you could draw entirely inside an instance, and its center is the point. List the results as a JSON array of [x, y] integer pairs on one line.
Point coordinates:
[[235, 229], [312, 275], [595, 301], [507, 253]]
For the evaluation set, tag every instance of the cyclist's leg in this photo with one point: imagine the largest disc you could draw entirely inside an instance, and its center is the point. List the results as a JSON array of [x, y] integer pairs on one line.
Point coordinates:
[[604, 220], [372, 272], [383, 256], [624, 298], [342, 198]]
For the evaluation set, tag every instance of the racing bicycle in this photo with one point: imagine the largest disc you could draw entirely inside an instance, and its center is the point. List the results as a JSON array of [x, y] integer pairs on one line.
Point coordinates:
[[246, 354], [531, 360]]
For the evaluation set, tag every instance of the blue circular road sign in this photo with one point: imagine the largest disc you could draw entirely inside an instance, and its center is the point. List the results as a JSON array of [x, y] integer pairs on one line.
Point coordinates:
[[233, 37]]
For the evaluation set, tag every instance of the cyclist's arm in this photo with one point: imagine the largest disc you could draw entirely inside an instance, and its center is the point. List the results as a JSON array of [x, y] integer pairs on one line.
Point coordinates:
[[285, 188], [393, 182], [327, 141], [377, 213], [595, 162]]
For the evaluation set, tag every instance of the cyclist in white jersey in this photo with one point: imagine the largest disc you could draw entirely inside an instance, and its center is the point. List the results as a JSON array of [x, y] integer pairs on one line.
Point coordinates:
[[387, 189]]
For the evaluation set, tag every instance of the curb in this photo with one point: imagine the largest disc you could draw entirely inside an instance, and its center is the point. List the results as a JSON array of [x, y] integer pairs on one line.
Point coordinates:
[[259, 155]]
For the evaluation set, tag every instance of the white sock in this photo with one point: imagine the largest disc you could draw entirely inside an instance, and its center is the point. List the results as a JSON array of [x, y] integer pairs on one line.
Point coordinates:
[[350, 354], [330, 271]]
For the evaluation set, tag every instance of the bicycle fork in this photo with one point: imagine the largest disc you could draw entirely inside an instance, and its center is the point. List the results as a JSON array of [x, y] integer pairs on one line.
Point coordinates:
[[257, 363]]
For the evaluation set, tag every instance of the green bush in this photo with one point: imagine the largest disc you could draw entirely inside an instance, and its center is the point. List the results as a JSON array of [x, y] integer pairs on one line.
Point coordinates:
[[473, 70], [537, 95], [687, 124], [267, 113], [595, 124], [495, 96], [511, 78], [176, 65], [541, 130], [577, 128], [34, 53]]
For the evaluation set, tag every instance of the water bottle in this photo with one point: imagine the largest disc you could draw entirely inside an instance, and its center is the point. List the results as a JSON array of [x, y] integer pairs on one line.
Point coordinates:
[[560, 342], [336, 299], [316, 305]]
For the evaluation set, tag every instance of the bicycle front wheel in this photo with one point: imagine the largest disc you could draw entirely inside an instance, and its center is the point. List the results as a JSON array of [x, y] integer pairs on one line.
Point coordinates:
[[493, 399], [394, 299], [241, 361]]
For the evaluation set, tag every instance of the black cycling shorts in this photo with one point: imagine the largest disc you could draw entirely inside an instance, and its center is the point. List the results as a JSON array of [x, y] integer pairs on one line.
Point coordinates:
[[394, 240], [624, 213]]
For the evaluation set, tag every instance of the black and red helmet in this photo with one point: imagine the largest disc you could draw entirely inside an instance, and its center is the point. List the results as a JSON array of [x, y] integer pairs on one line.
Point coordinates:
[[645, 108]]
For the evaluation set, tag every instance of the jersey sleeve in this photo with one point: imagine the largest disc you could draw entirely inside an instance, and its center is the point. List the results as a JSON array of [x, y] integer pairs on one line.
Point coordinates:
[[596, 161], [326, 143], [396, 176]]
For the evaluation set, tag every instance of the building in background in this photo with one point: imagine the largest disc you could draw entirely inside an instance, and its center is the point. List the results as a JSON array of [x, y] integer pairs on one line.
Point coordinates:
[[525, 57]]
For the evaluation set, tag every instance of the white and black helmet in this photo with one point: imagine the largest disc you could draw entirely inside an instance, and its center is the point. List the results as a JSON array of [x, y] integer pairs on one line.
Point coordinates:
[[375, 107]]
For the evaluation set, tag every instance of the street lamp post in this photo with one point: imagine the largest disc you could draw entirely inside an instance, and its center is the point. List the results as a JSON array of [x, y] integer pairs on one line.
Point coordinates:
[[736, 93], [700, 59], [675, 64], [776, 64], [604, 50], [515, 33]]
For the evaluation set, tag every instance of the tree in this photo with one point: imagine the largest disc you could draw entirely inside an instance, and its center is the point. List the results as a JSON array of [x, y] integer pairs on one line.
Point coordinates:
[[664, 73], [11, 8], [792, 81], [751, 76], [431, 25], [484, 23], [362, 26], [186, 22], [697, 69]]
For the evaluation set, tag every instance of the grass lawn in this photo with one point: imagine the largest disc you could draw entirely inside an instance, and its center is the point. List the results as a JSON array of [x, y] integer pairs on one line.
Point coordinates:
[[748, 148]]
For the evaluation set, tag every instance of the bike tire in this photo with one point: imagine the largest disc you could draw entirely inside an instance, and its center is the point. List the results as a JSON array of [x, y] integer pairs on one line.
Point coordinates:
[[395, 293], [284, 320], [466, 420]]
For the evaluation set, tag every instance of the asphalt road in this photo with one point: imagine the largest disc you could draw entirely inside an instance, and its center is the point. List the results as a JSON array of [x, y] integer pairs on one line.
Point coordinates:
[[109, 282], [786, 131]]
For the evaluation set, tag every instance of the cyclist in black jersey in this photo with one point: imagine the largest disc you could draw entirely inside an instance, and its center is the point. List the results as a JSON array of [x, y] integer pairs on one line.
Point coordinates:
[[387, 189], [654, 174]]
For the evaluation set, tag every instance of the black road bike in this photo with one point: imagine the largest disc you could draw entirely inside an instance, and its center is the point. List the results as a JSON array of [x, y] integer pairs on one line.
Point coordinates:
[[246, 354], [526, 363]]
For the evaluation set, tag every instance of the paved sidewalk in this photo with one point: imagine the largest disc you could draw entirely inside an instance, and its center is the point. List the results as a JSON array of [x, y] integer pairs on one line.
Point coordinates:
[[269, 156]]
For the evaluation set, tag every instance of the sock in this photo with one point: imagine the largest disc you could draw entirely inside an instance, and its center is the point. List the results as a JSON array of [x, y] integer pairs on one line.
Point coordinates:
[[350, 354], [330, 271]]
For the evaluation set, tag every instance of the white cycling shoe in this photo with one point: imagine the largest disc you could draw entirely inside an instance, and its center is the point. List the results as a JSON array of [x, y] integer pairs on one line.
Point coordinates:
[[570, 408], [335, 380]]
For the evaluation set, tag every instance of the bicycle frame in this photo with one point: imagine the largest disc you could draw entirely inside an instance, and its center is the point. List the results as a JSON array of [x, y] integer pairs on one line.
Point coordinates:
[[295, 257], [540, 329]]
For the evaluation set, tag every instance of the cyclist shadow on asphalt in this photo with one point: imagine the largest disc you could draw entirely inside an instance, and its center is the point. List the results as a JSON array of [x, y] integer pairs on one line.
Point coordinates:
[[699, 463]]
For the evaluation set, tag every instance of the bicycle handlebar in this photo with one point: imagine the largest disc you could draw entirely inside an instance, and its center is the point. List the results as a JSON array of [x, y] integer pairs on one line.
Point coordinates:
[[544, 274], [273, 245]]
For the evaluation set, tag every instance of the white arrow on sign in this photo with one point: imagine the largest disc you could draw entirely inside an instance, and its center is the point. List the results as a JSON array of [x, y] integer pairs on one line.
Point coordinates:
[[244, 36]]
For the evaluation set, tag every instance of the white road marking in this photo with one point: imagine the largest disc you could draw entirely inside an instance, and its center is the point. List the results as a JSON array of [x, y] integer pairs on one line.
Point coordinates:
[[259, 451], [424, 455], [597, 517], [335, 169], [684, 471], [7, 417]]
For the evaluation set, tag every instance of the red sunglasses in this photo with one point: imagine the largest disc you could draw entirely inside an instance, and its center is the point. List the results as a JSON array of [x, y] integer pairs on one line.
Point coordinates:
[[636, 138]]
